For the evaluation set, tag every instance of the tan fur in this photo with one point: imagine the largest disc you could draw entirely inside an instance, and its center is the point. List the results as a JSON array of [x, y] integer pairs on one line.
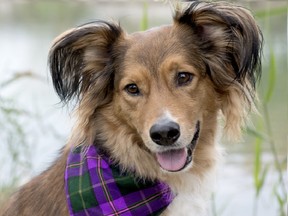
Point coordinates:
[[95, 62]]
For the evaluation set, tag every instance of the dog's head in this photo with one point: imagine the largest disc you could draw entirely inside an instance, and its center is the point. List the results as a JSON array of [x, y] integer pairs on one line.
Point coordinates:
[[156, 94]]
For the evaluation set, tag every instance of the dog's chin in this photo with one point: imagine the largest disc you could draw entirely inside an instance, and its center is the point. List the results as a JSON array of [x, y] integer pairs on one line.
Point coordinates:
[[176, 160]]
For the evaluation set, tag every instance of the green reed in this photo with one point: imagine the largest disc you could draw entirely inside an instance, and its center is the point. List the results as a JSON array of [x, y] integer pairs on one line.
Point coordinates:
[[13, 139], [263, 132]]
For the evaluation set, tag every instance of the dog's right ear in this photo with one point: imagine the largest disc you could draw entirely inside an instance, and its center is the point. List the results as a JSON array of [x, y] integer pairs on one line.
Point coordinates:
[[81, 57]]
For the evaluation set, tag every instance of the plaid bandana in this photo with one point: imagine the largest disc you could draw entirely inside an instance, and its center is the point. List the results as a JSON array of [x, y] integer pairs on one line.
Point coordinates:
[[96, 187]]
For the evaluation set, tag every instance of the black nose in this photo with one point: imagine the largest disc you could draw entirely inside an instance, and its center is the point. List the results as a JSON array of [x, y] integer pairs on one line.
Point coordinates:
[[165, 134]]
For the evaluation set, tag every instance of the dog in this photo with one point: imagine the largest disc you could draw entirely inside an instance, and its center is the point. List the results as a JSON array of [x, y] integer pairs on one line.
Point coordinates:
[[148, 103]]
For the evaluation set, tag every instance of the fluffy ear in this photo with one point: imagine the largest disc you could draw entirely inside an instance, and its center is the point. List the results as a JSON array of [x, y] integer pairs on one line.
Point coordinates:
[[82, 57], [229, 42]]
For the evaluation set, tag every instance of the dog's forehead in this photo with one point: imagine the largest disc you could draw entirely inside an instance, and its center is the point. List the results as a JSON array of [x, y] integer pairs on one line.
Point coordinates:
[[150, 48]]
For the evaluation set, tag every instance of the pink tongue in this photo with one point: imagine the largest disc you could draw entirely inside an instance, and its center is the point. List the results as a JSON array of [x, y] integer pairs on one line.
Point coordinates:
[[172, 160]]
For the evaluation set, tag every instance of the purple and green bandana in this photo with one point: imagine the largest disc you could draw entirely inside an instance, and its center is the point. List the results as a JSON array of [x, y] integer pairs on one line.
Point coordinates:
[[95, 187]]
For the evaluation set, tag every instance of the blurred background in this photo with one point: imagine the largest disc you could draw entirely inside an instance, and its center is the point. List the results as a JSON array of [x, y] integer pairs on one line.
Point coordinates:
[[34, 125]]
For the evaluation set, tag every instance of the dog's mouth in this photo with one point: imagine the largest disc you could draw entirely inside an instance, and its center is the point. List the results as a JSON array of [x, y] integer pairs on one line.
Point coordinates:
[[176, 160]]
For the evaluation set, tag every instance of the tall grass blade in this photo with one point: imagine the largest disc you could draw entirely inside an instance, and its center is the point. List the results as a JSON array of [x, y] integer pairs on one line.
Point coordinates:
[[272, 77], [262, 179], [259, 173], [257, 161], [257, 165], [144, 20]]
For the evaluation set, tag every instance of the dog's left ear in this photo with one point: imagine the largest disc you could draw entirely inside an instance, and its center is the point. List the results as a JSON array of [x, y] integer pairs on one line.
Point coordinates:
[[229, 43]]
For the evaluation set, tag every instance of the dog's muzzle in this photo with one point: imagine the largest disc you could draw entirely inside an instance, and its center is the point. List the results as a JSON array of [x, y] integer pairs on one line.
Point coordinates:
[[177, 159]]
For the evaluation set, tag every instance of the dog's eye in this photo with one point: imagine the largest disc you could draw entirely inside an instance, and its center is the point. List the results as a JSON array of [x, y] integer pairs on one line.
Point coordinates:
[[184, 78], [132, 89]]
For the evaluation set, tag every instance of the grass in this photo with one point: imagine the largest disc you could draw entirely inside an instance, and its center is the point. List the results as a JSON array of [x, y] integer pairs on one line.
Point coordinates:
[[265, 127], [13, 143]]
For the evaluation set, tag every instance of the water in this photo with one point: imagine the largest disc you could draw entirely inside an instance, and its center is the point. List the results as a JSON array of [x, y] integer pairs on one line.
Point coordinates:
[[26, 32], [235, 192]]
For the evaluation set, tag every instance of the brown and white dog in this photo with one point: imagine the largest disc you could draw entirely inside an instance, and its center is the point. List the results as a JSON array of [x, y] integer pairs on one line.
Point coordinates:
[[152, 99]]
